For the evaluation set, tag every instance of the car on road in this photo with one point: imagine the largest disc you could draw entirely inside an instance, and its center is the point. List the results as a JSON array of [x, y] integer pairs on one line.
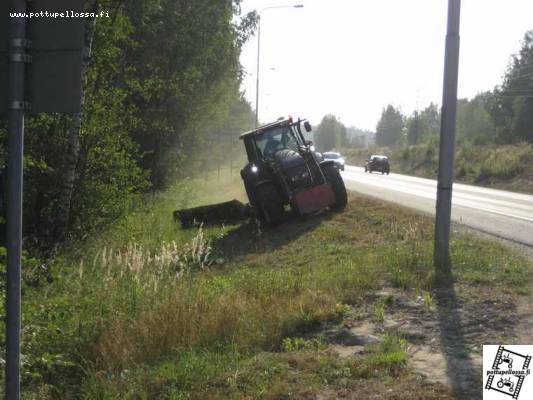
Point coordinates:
[[337, 158], [379, 163]]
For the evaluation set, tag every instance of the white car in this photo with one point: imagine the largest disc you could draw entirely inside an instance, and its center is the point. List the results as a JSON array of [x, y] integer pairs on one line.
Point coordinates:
[[336, 157]]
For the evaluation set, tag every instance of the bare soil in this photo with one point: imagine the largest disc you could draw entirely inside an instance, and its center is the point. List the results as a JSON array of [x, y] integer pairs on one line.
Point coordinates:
[[445, 334]]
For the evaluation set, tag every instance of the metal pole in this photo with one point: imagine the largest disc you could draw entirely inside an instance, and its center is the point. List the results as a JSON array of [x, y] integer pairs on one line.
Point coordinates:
[[17, 36], [258, 53], [257, 74], [447, 138]]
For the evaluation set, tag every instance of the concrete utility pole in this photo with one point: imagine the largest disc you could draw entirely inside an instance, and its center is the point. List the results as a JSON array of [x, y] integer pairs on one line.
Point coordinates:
[[257, 73], [17, 59], [447, 138]]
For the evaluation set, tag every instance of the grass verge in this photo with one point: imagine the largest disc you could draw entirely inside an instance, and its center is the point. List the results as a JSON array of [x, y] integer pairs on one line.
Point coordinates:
[[147, 310]]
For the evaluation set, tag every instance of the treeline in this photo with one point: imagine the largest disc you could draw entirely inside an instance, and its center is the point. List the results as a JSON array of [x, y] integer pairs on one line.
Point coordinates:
[[162, 80], [331, 134], [503, 115]]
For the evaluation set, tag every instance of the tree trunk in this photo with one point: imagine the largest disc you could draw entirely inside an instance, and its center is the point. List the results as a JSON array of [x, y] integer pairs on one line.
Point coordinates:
[[68, 176]]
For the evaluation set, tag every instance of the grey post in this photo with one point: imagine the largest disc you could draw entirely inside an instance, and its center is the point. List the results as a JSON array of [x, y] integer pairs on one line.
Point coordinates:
[[257, 74], [17, 36], [258, 55], [447, 137]]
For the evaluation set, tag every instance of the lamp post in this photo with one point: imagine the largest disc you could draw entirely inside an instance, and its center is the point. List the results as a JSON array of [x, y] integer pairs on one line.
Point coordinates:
[[258, 54], [447, 140]]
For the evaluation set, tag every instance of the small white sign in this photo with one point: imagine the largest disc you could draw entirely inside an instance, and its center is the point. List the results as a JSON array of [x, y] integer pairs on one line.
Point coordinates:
[[507, 372]]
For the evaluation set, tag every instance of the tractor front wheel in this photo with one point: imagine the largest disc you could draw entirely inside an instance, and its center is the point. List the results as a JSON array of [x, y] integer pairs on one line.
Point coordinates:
[[270, 204], [334, 178]]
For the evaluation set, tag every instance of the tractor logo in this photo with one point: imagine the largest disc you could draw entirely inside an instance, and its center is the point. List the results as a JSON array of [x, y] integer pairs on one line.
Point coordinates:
[[505, 359], [508, 374]]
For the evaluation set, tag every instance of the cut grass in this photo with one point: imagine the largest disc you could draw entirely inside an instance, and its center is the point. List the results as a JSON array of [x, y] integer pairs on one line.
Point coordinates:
[[215, 332]]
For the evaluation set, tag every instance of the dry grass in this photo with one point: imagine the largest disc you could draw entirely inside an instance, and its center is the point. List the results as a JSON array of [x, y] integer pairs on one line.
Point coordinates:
[[250, 309]]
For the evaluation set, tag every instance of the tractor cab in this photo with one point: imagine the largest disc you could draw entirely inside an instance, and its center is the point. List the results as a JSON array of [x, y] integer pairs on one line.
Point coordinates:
[[263, 143]]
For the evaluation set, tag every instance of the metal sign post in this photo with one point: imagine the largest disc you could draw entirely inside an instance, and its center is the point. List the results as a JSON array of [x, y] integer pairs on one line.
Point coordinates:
[[15, 99], [447, 138], [46, 72]]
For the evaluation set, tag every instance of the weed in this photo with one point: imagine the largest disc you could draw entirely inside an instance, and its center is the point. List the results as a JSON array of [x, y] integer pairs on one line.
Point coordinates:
[[289, 344], [379, 312], [429, 301], [389, 355], [342, 310]]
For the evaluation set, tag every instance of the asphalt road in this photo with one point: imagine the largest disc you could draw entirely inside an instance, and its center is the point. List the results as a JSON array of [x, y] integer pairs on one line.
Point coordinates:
[[500, 213]]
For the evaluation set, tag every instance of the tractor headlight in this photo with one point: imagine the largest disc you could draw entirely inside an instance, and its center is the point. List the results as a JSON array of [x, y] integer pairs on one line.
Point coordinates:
[[254, 169]]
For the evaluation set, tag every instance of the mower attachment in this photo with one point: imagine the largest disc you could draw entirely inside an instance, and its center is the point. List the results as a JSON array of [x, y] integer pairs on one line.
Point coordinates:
[[222, 213]]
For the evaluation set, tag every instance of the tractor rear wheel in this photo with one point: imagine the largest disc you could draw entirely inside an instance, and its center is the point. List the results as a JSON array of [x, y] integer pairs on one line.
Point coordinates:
[[270, 204], [334, 178]]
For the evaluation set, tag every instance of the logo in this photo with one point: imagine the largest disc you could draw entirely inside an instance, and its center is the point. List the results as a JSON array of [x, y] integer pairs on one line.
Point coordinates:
[[507, 373]]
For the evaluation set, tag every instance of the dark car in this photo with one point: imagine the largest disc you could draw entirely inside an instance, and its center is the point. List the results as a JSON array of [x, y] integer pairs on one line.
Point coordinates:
[[377, 163], [336, 158]]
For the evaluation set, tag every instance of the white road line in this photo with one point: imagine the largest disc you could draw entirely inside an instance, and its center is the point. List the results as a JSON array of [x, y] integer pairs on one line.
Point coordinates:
[[528, 199], [508, 204], [458, 194]]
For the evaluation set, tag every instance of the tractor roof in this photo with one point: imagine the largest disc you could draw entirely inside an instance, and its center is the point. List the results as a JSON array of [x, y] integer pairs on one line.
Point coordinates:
[[278, 124]]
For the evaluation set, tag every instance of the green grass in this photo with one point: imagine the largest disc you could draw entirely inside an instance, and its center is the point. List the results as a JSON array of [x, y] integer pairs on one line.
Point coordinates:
[[147, 310], [390, 355]]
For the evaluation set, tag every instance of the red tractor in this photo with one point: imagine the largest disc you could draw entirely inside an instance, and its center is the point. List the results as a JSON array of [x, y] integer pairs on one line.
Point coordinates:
[[283, 170]]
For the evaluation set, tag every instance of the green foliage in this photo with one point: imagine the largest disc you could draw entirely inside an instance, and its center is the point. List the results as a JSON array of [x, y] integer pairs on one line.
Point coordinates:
[[379, 312], [512, 105], [342, 310], [359, 137], [389, 130], [154, 95], [389, 355], [431, 116], [415, 128], [474, 123], [289, 344], [330, 134]]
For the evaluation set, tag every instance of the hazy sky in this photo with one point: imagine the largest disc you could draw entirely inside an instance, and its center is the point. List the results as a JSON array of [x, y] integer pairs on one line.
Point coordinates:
[[352, 57]]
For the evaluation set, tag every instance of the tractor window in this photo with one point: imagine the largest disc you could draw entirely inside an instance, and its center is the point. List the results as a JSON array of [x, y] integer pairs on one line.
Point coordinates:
[[274, 140]]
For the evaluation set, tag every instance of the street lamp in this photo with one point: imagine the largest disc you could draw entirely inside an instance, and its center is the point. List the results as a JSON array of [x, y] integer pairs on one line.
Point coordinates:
[[258, 53]]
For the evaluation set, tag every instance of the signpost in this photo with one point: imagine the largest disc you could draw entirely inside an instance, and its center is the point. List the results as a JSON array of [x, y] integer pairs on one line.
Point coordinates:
[[40, 64], [447, 139]]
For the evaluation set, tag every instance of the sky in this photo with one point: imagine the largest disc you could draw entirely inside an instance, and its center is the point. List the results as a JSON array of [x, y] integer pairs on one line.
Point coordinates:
[[351, 58]]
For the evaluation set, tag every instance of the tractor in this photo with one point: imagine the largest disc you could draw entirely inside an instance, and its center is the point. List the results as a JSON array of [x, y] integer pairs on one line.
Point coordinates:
[[283, 171]]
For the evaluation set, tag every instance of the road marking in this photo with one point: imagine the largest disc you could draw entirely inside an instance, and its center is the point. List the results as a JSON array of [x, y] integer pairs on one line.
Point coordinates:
[[458, 195], [427, 189], [528, 199]]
